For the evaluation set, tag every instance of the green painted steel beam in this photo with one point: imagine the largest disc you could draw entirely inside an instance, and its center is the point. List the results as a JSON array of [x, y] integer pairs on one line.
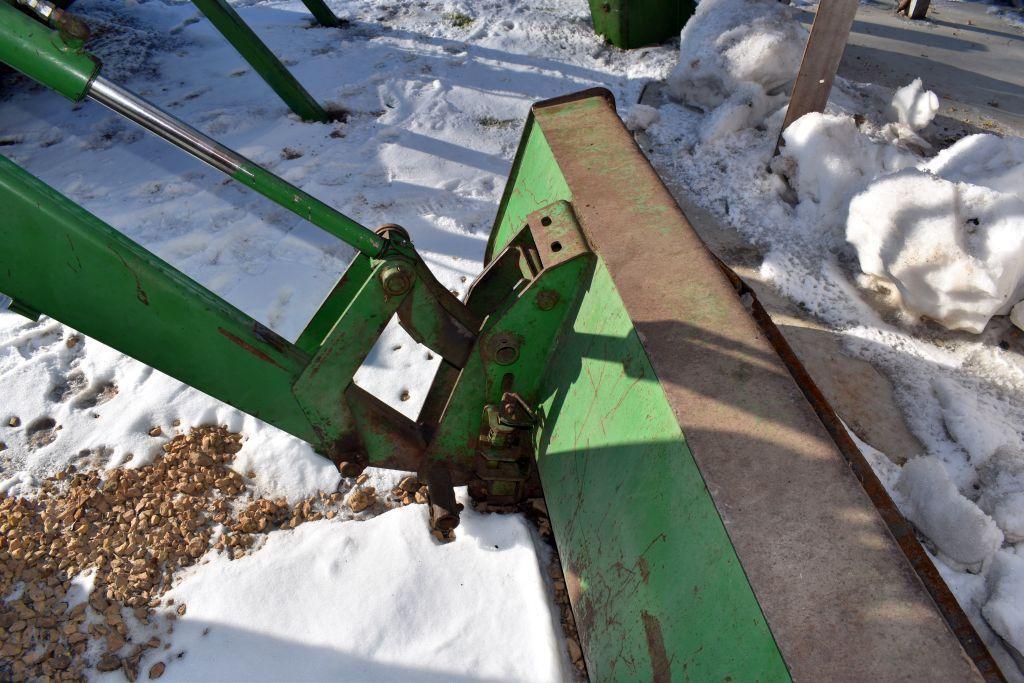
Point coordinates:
[[656, 587], [309, 207], [635, 23], [226, 20], [320, 388], [518, 337], [60, 260], [658, 590], [334, 304], [322, 13]]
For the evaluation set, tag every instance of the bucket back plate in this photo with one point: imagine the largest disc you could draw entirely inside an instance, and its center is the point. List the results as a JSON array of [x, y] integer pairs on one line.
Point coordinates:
[[708, 525]]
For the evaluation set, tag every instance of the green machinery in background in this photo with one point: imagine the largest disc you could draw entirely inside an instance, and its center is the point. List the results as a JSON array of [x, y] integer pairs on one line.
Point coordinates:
[[636, 23], [708, 524], [226, 20]]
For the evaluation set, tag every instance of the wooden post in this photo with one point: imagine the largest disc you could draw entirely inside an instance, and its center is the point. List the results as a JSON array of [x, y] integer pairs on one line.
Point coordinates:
[[829, 32]]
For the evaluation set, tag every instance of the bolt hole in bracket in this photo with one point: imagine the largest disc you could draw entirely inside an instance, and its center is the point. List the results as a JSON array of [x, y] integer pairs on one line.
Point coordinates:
[[527, 295], [477, 425]]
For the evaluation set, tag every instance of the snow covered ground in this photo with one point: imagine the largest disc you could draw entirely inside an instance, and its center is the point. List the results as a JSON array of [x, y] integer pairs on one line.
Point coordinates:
[[378, 600], [1010, 11], [435, 95]]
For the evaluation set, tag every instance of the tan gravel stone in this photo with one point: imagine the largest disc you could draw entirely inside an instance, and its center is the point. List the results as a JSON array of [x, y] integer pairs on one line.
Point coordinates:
[[360, 499], [136, 527], [108, 662], [409, 484], [130, 669]]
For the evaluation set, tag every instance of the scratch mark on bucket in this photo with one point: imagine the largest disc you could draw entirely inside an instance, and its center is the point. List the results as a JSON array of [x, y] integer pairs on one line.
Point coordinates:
[[249, 347], [661, 666]]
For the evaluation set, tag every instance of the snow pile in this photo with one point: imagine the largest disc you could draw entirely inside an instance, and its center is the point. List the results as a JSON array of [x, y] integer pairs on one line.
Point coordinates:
[[827, 160], [371, 601], [945, 236], [953, 250], [975, 421], [986, 160], [1004, 610], [964, 535], [736, 58], [1002, 477], [640, 117], [913, 106]]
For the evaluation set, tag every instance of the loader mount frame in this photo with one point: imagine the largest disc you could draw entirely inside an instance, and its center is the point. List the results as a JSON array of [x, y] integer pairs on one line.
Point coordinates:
[[477, 422]]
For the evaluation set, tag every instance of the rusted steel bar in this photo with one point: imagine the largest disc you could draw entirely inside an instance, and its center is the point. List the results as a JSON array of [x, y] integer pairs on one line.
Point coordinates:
[[901, 530]]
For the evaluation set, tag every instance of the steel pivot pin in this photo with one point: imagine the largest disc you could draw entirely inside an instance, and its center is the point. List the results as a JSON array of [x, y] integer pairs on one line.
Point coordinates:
[[396, 279]]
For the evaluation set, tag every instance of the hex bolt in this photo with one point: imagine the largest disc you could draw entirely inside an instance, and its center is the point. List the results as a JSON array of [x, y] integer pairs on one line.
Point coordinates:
[[350, 468], [444, 510], [396, 280], [393, 232], [547, 299]]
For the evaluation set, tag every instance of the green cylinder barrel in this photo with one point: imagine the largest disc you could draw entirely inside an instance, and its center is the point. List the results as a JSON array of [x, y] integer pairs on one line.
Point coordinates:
[[42, 54]]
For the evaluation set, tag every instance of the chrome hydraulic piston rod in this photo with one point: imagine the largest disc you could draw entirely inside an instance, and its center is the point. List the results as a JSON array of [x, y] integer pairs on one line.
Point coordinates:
[[180, 134], [57, 60]]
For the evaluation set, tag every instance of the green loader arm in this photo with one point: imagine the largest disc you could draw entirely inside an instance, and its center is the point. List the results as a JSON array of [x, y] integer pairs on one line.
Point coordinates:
[[62, 261]]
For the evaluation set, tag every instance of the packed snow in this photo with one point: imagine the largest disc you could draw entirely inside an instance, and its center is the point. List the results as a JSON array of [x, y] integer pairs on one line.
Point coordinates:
[[1002, 476], [723, 48], [826, 160], [913, 106], [947, 234], [1004, 609], [640, 116], [946, 248], [954, 252], [964, 535], [722, 68], [372, 601]]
